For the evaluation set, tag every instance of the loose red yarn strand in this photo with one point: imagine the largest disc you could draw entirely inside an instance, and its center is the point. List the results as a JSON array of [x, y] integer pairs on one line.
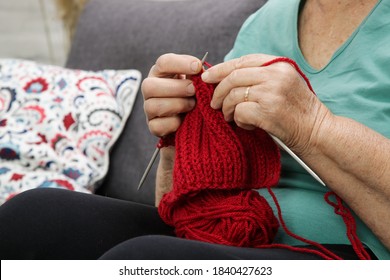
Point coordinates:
[[340, 209], [295, 65], [327, 254], [349, 221]]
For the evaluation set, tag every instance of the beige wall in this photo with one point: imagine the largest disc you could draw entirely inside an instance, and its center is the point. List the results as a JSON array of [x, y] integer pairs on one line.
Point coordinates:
[[31, 29]]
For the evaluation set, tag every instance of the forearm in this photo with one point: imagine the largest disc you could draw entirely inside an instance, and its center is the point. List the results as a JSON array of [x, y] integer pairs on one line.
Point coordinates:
[[353, 161]]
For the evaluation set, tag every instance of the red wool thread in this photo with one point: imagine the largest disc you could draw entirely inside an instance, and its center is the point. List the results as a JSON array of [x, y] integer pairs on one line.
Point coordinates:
[[217, 167]]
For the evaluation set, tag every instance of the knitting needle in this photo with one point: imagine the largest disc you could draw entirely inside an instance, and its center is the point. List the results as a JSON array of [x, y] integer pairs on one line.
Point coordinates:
[[157, 150], [277, 140], [297, 159]]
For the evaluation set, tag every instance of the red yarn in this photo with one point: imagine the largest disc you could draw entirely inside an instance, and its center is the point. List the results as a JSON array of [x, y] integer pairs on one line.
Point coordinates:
[[293, 64], [238, 218], [217, 166], [349, 221]]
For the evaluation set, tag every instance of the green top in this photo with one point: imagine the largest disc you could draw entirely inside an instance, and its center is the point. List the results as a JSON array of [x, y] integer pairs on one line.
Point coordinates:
[[355, 84]]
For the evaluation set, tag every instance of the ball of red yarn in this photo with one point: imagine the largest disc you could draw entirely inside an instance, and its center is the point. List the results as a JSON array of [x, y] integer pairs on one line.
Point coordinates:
[[237, 218]]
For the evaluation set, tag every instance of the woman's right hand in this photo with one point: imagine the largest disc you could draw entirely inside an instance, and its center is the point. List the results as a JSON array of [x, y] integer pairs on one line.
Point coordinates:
[[168, 93]]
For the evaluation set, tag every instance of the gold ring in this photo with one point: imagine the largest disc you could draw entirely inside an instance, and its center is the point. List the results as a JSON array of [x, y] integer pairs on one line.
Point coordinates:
[[246, 95]]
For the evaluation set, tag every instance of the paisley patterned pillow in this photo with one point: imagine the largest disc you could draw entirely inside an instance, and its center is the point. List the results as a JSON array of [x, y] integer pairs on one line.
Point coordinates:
[[57, 125]]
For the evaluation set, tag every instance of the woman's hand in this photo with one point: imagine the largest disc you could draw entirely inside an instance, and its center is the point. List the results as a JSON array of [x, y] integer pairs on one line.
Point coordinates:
[[168, 93], [278, 99]]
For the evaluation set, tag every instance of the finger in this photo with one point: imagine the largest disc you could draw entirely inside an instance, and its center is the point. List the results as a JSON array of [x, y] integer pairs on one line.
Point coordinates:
[[161, 127], [168, 65], [238, 78], [167, 107], [248, 115], [220, 71], [153, 87], [235, 96]]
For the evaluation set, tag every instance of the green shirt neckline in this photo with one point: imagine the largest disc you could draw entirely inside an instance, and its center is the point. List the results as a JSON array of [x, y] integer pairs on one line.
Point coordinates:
[[301, 60]]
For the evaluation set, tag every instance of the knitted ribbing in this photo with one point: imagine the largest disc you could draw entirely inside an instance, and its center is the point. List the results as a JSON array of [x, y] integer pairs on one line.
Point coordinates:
[[217, 166]]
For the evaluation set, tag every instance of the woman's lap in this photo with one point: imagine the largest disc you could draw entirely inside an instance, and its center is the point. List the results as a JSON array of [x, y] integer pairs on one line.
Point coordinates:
[[159, 247], [60, 224]]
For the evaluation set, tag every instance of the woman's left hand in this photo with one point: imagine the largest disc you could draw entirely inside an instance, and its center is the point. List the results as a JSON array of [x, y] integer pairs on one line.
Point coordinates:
[[275, 98]]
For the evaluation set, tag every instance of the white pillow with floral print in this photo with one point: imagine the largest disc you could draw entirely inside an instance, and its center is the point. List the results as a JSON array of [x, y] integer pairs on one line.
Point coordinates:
[[57, 125]]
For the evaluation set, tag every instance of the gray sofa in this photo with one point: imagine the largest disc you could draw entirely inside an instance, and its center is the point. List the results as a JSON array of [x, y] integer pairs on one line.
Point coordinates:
[[120, 34]]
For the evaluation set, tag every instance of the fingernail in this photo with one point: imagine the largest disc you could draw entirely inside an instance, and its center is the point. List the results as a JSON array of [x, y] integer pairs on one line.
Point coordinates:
[[195, 66], [191, 89], [192, 103], [205, 76]]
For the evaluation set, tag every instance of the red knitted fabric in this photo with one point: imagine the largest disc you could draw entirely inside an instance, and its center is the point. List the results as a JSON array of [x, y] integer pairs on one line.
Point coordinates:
[[217, 166]]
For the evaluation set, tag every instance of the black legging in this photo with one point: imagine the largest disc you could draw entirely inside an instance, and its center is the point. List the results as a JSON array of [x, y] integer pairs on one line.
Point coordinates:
[[60, 224]]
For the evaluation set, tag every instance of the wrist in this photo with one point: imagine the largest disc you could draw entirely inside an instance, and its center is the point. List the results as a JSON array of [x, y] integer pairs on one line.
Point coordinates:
[[167, 158], [164, 176], [323, 126]]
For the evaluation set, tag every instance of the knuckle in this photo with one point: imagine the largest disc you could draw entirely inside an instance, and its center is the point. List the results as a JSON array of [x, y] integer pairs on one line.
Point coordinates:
[[240, 62], [155, 127], [149, 108], [163, 126], [162, 61], [240, 112], [155, 108], [235, 94], [148, 87], [233, 77], [152, 70], [286, 70], [189, 104], [164, 107], [218, 72], [249, 59], [238, 118], [182, 105]]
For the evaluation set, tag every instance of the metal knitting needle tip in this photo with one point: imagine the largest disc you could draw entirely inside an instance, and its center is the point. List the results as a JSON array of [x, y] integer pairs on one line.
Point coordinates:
[[297, 159], [147, 170], [204, 58], [157, 150]]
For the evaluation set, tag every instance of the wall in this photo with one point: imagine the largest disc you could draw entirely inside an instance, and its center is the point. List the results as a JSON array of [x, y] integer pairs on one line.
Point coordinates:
[[32, 29]]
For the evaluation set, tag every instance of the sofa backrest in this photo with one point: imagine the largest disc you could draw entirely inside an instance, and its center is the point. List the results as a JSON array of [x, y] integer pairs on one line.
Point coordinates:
[[120, 34]]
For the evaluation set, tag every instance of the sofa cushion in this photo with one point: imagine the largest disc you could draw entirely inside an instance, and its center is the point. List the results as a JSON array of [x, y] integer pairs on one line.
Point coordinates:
[[133, 34], [57, 125]]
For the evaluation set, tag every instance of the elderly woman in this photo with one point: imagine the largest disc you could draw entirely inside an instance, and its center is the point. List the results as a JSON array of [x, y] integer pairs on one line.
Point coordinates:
[[341, 132]]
